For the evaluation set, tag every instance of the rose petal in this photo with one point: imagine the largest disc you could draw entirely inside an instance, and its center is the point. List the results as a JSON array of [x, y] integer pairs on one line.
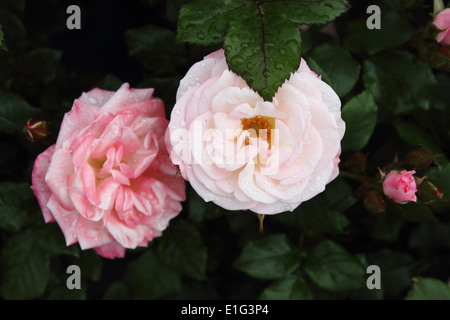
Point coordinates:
[[111, 250], [38, 185], [66, 219], [91, 234]]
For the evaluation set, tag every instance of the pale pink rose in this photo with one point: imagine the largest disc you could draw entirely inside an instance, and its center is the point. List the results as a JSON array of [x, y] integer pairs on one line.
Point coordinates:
[[400, 186], [107, 181], [213, 136], [442, 22]]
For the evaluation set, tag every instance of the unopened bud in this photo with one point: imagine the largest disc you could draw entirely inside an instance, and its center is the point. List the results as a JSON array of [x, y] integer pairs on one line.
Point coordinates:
[[420, 158], [357, 163], [428, 192], [440, 58], [374, 202], [36, 130]]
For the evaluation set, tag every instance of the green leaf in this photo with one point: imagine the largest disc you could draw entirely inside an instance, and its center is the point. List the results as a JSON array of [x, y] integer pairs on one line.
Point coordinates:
[[339, 195], [441, 94], [416, 212], [365, 293], [332, 268], [205, 22], [399, 81], [63, 293], [339, 65], [272, 257], [395, 30], [396, 268], [263, 49], [51, 239], [91, 265], [38, 66], [182, 249], [173, 9], [360, 116], [290, 288], [13, 28], [314, 66], [417, 136], [2, 39], [13, 212], [14, 112], [430, 237], [428, 289], [12, 217], [261, 39], [306, 12], [441, 177], [387, 227], [25, 268], [148, 278], [154, 47], [199, 210], [116, 291], [315, 218]]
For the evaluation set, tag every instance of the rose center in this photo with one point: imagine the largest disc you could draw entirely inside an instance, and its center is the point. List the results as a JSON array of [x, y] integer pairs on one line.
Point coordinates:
[[259, 125]]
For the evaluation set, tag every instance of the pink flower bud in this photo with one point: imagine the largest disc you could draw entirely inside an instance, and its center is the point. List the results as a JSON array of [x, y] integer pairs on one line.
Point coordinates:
[[35, 130], [442, 23], [400, 186]]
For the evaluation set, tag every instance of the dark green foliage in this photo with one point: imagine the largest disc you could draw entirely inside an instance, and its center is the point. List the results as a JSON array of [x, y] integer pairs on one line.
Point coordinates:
[[393, 97]]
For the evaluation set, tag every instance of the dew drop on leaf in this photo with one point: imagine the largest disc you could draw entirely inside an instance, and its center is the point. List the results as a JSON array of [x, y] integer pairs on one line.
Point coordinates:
[[201, 35], [279, 66], [236, 61]]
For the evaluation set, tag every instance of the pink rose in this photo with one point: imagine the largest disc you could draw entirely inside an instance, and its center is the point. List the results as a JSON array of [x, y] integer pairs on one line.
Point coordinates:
[[107, 181], [442, 22], [400, 186], [242, 152]]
